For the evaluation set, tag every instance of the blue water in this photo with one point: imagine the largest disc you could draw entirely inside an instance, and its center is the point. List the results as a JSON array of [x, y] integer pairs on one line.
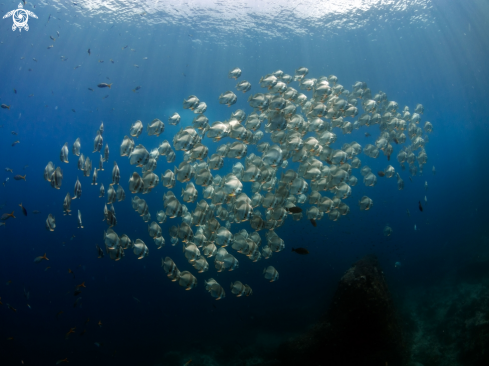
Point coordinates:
[[433, 52]]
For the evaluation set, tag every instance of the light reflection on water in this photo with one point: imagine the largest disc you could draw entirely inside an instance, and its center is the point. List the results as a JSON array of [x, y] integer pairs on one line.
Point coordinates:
[[248, 18]]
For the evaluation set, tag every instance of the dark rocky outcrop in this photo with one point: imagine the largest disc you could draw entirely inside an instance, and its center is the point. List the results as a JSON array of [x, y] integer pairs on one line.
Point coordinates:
[[360, 328], [451, 323]]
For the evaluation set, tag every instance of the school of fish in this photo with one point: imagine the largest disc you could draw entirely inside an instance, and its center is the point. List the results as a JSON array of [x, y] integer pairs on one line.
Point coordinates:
[[302, 129]]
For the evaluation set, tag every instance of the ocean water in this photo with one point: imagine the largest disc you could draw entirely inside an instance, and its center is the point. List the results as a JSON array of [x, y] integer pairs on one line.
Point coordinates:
[[429, 52]]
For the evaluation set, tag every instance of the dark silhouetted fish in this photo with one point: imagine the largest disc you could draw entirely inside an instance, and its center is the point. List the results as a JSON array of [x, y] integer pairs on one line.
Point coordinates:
[[24, 211], [295, 209]]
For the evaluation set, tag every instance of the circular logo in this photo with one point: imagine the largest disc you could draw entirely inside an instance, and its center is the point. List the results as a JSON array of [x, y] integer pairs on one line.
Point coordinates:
[[20, 18]]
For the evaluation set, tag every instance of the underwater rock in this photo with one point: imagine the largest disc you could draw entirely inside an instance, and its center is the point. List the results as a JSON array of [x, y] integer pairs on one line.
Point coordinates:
[[360, 328], [450, 322], [363, 319]]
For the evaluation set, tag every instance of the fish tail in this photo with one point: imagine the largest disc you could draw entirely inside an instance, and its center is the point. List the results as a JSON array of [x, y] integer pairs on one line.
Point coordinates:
[[109, 85], [23, 177], [44, 257], [12, 215]]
